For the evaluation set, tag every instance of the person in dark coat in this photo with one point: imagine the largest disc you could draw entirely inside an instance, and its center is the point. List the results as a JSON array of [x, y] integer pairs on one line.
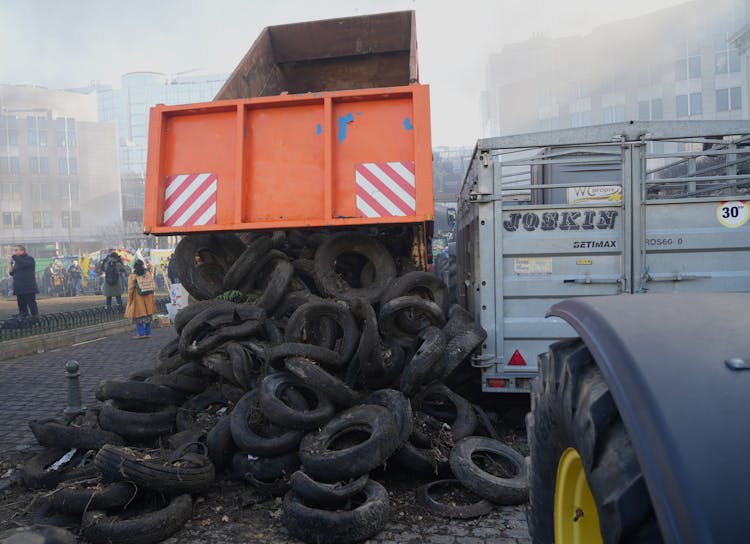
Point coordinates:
[[113, 269], [23, 270]]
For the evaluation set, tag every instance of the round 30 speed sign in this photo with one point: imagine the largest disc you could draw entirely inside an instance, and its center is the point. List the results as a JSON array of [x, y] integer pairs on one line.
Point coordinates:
[[733, 214]]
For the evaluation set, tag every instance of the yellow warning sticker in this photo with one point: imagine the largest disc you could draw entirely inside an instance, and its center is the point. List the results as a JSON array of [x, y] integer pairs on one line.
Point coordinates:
[[532, 266], [584, 261], [733, 214]]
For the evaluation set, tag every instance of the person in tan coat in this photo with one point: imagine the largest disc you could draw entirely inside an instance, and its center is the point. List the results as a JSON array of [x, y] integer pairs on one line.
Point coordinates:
[[141, 306]]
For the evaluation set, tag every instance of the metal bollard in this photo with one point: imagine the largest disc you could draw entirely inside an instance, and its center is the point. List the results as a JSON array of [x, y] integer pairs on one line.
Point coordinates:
[[74, 389]]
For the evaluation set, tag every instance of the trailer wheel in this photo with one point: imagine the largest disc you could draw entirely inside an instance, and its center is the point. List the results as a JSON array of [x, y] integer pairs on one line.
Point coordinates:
[[586, 484]]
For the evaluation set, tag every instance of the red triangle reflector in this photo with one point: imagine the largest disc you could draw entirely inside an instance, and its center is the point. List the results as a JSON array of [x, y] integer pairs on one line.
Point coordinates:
[[517, 359]]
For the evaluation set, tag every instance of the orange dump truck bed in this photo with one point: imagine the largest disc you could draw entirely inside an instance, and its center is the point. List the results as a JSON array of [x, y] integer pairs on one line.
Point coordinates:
[[350, 146]]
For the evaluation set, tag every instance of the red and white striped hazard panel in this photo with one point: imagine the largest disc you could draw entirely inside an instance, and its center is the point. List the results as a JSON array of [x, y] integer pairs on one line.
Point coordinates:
[[385, 189], [190, 199]]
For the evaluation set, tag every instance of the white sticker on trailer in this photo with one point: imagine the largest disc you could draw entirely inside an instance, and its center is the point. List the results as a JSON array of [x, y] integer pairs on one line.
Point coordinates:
[[733, 214]]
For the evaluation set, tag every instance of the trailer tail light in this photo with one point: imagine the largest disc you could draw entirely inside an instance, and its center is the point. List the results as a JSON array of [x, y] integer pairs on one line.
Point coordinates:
[[496, 383], [517, 359]]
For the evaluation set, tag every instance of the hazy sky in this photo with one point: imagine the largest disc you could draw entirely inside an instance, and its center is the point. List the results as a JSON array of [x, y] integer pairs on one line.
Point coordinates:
[[71, 43]]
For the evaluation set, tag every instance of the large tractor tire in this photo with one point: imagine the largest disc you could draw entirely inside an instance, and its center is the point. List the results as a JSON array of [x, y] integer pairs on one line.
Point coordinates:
[[586, 485]]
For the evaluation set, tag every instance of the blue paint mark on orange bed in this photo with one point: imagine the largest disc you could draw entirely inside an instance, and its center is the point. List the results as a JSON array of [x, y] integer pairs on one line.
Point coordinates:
[[343, 121], [407, 124]]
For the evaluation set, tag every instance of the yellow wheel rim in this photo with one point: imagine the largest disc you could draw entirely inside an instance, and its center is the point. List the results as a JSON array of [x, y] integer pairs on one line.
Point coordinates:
[[576, 517]]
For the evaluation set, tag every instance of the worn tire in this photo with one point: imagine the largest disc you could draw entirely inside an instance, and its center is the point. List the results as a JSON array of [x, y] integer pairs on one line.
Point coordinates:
[[312, 313], [373, 437], [330, 282], [339, 526], [94, 495], [137, 425], [55, 434], [148, 528], [462, 419], [272, 442], [35, 476], [217, 250], [280, 413], [463, 511], [324, 494], [317, 377], [430, 313], [124, 464], [397, 404], [573, 408], [505, 491], [264, 469], [420, 367]]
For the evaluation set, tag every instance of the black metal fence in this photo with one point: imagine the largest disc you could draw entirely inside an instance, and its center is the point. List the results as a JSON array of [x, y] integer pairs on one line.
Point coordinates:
[[14, 327]]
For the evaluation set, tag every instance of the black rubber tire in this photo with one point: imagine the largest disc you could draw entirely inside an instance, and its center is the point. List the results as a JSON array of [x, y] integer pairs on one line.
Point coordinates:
[[398, 405], [323, 458], [313, 313], [127, 464], [317, 377], [272, 442], [504, 491], [216, 325], [38, 534], [246, 368], [35, 476], [137, 425], [169, 357], [370, 349], [241, 275], [419, 283], [430, 314], [458, 348], [278, 354], [422, 460], [138, 392], [218, 251], [53, 433], [569, 377], [476, 509], [220, 444], [148, 528], [420, 367], [186, 314], [332, 285], [277, 282], [463, 420], [264, 469], [91, 495], [280, 413], [394, 358], [182, 383], [339, 526], [323, 494]]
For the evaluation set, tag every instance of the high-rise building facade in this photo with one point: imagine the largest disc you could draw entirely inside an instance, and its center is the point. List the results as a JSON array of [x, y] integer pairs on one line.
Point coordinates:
[[129, 107], [59, 179], [683, 62]]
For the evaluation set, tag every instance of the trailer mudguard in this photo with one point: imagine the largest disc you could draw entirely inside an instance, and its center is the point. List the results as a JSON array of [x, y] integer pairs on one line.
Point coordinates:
[[673, 364]]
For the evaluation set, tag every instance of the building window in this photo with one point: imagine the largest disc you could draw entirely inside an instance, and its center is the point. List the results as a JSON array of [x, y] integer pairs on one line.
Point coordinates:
[[32, 135], [688, 105], [76, 219], [34, 165], [69, 191], [10, 191], [729, 99], [43, 165], [12, 220], [580, 119], [66, 132], [8, 130], [36, 220], [726, 58], [15, 165], [47, 220], [613, 114], [579, 89], [73, 163], [689, 66]]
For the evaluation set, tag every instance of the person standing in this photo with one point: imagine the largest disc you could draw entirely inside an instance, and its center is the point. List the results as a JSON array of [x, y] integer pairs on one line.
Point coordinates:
[[75, 276], [23, 270], [141, 306], [112, 268]]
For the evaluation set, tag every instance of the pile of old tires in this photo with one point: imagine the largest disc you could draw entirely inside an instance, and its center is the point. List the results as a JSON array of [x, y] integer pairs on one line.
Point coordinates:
[[305, 363]]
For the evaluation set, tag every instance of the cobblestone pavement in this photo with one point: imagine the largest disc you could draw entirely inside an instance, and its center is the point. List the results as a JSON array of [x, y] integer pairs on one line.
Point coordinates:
[[35, 386]]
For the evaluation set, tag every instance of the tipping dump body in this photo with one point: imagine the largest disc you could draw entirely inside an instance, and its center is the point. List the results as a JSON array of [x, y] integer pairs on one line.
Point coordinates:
[[321, 124]]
